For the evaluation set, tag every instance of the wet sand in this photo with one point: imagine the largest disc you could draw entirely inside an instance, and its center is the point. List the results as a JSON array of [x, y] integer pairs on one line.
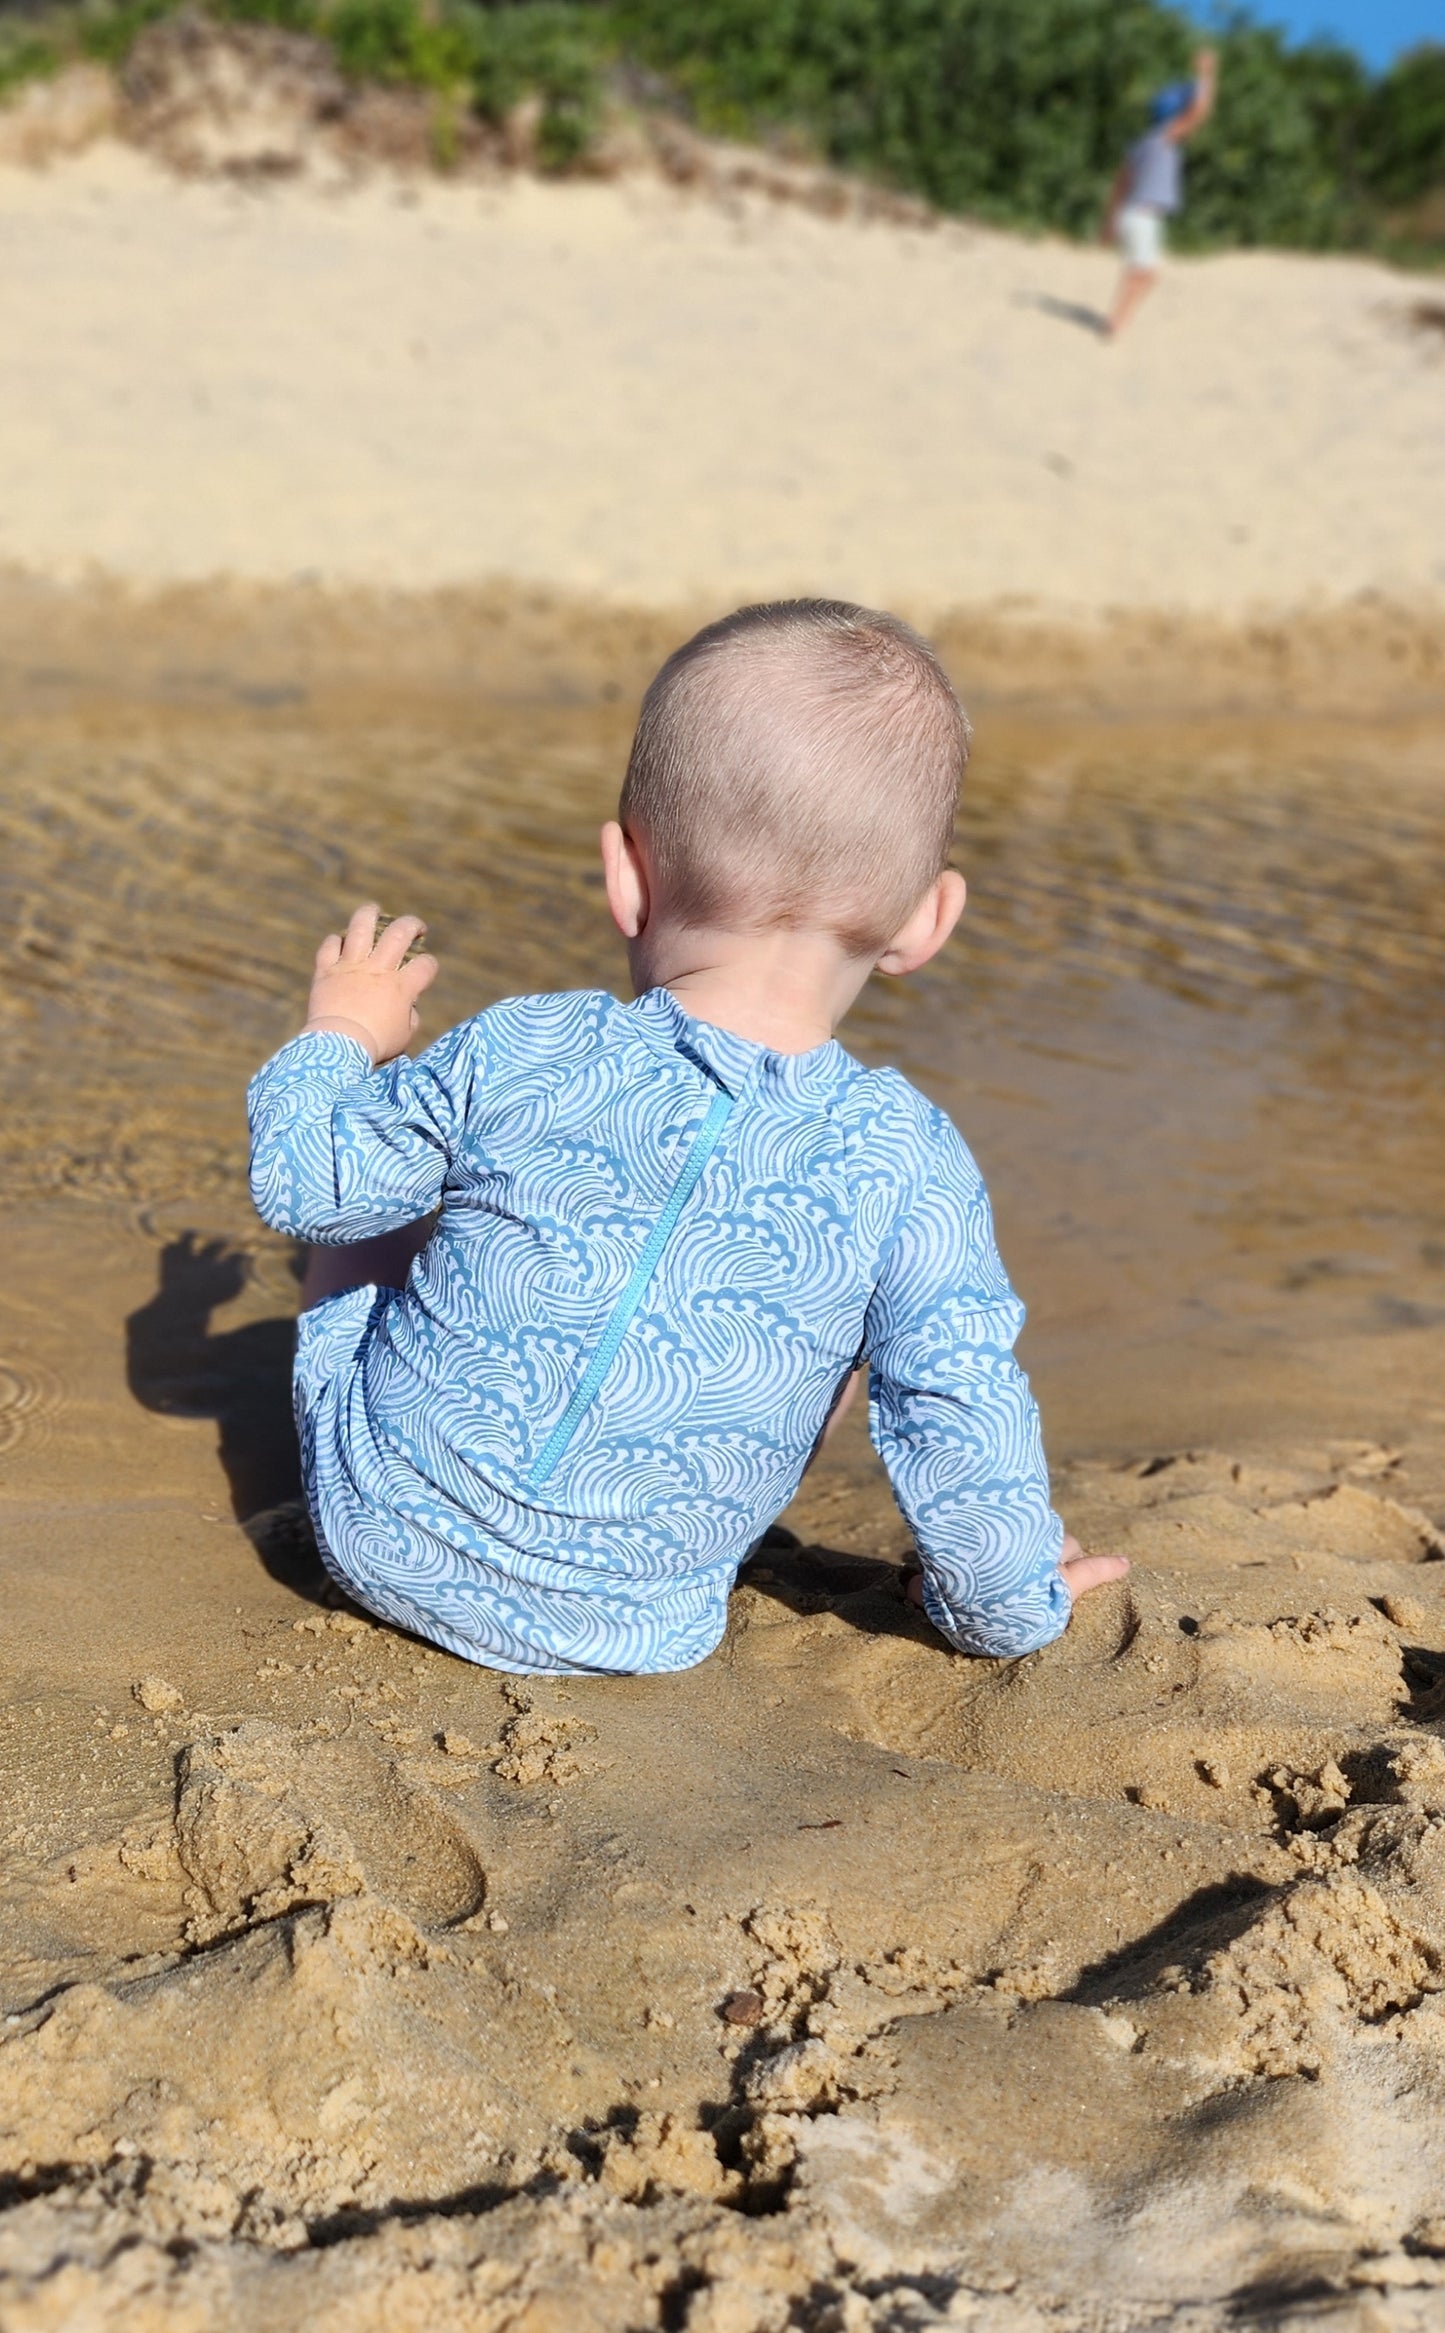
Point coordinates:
[[841, 1984]]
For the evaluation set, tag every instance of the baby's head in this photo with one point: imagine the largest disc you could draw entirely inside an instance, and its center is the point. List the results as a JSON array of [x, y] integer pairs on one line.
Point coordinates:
[[796, 768]]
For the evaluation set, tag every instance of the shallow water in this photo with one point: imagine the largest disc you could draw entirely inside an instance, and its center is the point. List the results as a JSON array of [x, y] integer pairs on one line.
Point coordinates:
[[1190, 1026]]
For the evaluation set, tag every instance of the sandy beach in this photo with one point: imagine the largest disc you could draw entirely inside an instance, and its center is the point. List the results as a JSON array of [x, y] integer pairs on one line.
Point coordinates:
[[629, 395], [841, 1985]]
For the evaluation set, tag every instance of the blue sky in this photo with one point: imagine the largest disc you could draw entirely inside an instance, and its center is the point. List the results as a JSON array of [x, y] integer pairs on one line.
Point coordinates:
[[1378, 29]]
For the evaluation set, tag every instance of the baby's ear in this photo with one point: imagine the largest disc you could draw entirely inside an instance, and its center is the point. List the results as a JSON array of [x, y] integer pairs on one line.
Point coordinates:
[[929, 926], [625, 877]]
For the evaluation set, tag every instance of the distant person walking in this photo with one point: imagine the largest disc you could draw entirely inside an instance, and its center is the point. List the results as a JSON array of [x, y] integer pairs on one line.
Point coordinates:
[[1150, 186]]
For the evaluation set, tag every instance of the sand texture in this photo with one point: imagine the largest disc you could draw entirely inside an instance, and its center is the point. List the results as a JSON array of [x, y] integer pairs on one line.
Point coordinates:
[[615, 391], [831, 1985], [841, 1985]]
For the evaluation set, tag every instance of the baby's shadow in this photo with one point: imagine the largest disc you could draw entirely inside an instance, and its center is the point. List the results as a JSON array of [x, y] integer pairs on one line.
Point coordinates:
[[866, 1591], [177, 1364]]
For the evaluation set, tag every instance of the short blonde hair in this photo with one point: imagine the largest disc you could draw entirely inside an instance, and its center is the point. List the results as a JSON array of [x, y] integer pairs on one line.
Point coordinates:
[[798, 765]]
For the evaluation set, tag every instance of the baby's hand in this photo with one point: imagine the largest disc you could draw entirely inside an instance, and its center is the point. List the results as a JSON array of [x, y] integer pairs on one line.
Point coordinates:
[[363, 989], [1082, 1572]]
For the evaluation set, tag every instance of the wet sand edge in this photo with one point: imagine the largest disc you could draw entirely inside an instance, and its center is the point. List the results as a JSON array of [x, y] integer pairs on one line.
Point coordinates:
[[233, 641]]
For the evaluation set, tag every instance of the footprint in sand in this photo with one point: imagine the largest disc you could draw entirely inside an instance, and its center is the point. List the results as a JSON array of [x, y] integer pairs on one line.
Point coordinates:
[[267, 1821]]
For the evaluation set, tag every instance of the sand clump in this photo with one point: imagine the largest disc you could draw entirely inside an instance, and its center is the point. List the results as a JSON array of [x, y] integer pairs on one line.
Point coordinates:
[[539, 1745]]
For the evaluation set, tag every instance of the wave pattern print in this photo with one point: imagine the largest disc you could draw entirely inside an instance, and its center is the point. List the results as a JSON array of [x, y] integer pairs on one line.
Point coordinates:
[[834, 1216]]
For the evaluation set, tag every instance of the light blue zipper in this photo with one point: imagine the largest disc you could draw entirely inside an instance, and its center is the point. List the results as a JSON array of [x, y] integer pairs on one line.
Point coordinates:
[[704, 1144]]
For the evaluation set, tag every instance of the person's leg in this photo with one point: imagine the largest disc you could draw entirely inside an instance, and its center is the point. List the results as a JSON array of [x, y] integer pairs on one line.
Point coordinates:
[[384, 1261], [1134, 285]]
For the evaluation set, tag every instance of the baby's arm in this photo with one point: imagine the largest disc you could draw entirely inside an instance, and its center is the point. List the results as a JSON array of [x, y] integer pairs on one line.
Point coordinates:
[[342, 1149], [957, 1427], [1079, 1572]]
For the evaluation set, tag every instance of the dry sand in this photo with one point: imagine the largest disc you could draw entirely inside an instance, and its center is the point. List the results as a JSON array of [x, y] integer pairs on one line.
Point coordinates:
[[841, 1985], [617, 392]]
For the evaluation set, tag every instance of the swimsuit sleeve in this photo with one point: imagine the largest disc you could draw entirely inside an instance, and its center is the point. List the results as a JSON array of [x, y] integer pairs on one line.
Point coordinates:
[[341, 1151], [954, 1421]]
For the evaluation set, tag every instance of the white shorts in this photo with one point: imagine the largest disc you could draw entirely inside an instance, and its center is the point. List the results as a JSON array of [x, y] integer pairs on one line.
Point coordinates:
[[1140, 235]]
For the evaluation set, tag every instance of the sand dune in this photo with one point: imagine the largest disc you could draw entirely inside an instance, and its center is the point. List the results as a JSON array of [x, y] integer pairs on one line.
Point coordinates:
[[622, 392]]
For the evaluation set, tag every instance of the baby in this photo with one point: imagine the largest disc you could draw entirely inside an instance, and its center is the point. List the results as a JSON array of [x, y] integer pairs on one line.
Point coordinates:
[[546, 1431]]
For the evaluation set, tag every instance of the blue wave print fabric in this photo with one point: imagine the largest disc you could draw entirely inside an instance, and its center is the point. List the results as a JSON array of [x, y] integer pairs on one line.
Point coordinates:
[[460, 1487]]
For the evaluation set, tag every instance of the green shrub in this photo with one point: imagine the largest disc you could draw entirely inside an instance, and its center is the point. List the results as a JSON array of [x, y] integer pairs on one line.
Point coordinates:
[[1019, 110], [549, 50], [1274, 165], [25, 56], [1402, 130], [401, 41], [1012, 109], [290, 15], [109, 33]]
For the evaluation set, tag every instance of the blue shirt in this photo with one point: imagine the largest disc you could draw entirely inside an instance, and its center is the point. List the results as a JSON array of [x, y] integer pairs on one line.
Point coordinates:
[[661, 1250], [1156, 166]]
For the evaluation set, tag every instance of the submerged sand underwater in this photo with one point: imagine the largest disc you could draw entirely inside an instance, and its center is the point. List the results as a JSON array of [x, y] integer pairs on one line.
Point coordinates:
[[840, 1984]]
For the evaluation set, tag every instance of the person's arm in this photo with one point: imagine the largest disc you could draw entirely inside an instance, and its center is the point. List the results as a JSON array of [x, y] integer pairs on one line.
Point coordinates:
[[955, 1423], [1197, 113], [341, 1148]]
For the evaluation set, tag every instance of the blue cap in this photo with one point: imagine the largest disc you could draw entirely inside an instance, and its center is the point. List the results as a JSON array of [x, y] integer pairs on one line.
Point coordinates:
[[1168, 103]]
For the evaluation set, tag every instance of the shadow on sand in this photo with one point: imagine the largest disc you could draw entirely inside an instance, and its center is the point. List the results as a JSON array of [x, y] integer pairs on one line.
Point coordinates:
[[177, 1364], [1071, 312], [866, 1591]]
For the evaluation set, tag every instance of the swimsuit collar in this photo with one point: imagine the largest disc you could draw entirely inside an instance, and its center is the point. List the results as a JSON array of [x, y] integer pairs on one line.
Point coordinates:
[[736, 1063]]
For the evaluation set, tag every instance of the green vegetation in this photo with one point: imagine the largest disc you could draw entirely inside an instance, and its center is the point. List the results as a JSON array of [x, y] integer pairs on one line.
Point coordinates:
[[1402, 131], [551, 51], [471, 56], [1018, 110], [26, 56], [1011, 110]]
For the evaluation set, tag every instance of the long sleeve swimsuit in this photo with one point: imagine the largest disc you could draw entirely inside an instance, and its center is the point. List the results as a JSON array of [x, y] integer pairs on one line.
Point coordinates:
[[661, 1249]]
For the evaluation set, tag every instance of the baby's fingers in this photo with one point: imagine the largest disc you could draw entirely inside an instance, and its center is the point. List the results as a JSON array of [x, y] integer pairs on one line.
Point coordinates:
[[399, 935], [328, 955], [1092, 1571], [360, 933], [417, 975]]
